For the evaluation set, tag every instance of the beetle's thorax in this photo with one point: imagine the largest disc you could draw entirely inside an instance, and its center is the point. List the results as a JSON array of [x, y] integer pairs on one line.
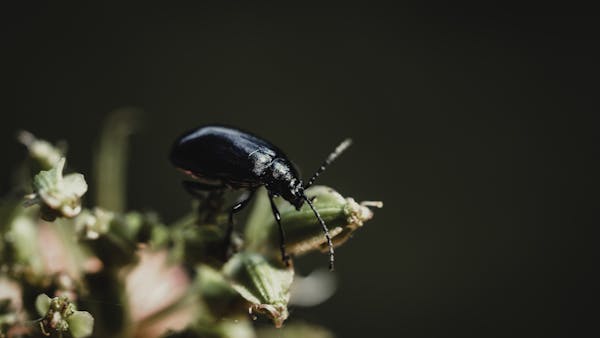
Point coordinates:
[[263, 160]]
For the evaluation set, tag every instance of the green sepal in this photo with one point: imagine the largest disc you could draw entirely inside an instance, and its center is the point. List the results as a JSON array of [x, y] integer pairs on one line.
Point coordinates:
[[303, 231], [265, 285]]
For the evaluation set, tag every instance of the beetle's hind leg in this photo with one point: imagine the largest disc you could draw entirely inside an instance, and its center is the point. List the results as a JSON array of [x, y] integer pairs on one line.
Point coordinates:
[[210, 198], [284, 256], [196, 188], [237, 207]]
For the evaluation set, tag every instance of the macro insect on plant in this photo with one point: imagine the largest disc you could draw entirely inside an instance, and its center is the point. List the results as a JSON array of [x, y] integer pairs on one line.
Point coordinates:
[[220, 158], [89, 266]]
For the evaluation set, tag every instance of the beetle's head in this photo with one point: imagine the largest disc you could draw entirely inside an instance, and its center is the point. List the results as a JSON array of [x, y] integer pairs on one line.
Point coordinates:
[[295, 194], [291, 191], [283, 181]]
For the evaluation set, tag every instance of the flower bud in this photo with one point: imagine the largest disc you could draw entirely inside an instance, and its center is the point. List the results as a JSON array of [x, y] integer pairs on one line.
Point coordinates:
[[265, 286], [42, 151], [193, 244], [221, 299], [90, 225], [303, 231], [58, 195]]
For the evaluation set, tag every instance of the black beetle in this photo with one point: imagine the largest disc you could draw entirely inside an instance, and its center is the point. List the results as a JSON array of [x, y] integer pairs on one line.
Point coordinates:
[[221, 157]]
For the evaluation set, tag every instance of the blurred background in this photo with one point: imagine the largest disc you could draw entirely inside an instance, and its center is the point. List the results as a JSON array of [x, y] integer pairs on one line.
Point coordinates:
[[474, 128]]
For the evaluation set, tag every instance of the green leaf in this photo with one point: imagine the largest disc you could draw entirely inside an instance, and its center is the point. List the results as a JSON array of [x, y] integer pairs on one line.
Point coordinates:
[[23, 232], [296, 330], [81, 324], [110, 162], [223, 328], [42, 304], [259, 219]]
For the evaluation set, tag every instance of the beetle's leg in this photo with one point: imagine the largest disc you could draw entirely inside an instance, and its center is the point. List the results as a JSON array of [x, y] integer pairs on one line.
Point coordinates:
[[210, 199], [237, 207], [325, 231], [194, 188], [284, 256]]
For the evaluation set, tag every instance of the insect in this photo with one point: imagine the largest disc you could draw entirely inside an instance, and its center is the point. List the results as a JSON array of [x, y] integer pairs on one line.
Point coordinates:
[[220, 158]]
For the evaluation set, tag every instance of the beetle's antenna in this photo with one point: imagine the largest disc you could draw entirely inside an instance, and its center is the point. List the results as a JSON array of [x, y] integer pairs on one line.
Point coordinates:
[[325, 230], [337, 152]]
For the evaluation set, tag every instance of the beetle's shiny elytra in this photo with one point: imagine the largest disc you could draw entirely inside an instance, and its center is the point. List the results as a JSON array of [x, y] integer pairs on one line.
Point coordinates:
[[220, 157]]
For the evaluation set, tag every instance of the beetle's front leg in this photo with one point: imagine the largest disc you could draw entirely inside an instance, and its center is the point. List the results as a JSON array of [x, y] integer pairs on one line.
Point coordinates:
[[284, 256]]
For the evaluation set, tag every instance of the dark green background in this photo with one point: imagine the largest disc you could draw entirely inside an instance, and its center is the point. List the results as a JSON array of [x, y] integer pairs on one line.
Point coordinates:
[[475, 129]]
